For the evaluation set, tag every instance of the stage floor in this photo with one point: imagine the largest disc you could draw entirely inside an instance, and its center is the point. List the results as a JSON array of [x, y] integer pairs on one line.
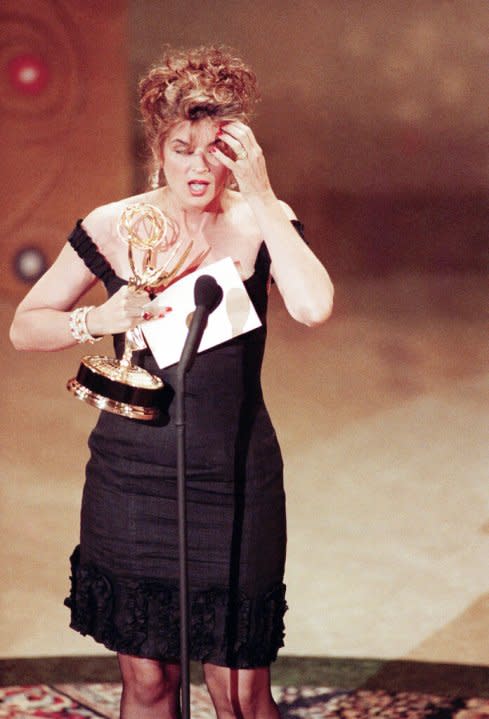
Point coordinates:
[[383, 420]]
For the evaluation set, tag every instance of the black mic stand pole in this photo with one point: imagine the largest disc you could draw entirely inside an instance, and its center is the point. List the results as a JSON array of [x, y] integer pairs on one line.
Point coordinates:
[[182, 541], [208, 295]]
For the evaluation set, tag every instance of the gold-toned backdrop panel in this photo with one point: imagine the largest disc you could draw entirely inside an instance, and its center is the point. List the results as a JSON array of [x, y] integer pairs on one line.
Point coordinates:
[[65, 120]]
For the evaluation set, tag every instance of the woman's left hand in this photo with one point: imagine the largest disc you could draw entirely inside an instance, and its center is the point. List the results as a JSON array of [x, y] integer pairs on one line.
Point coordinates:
[[301, 279], [248, 167]]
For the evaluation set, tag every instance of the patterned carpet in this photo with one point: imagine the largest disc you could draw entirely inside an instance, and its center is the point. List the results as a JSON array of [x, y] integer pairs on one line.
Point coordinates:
[[82, 701]]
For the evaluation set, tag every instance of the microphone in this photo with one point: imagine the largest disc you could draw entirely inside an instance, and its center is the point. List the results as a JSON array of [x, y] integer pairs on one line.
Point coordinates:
[[207, 297]]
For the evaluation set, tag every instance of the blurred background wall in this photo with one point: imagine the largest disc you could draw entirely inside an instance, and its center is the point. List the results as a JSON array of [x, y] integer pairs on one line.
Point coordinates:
[[64, 109], [373, 118]]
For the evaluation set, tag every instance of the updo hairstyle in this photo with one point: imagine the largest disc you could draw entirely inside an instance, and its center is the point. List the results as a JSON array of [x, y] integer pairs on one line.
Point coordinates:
[[193, 84]]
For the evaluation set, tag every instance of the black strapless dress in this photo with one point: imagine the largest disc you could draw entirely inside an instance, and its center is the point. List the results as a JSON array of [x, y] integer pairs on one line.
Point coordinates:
[[124, 590]]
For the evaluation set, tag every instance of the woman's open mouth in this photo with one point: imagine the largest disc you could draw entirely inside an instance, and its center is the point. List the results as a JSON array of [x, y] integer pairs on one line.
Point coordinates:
[[198, 187]]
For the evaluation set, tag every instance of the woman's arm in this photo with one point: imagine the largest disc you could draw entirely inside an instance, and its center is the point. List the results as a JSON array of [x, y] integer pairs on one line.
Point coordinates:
[[42, 320], [301, 278]]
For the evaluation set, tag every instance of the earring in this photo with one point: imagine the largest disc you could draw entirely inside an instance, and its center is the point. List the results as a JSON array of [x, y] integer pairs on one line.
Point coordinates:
[[155, 178]]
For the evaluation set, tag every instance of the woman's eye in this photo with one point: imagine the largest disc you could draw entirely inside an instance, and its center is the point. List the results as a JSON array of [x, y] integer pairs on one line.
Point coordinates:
[[183, 151]]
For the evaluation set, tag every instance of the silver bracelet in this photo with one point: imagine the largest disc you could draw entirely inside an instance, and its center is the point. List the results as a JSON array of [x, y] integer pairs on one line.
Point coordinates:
[[78, 325]]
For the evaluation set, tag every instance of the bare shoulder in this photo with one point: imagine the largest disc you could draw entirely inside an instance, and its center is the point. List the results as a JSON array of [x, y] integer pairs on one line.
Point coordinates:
[[101, 223], [288, 210], [98, 222]]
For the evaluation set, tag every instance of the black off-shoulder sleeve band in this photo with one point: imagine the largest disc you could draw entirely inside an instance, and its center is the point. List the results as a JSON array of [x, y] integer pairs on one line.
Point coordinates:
[[88, 251], [299, 227]]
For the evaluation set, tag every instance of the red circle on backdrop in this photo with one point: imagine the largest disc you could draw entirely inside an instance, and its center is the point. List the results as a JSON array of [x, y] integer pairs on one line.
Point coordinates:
[[28, 74]]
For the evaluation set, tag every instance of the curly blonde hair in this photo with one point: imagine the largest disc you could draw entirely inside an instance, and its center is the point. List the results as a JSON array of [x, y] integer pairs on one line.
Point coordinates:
[[192, 84]]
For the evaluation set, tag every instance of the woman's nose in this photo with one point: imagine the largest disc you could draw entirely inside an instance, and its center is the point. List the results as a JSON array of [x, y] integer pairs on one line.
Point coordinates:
[[199, 162]]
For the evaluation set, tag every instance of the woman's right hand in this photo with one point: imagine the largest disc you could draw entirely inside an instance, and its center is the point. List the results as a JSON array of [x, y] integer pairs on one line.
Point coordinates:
[[120, 313]]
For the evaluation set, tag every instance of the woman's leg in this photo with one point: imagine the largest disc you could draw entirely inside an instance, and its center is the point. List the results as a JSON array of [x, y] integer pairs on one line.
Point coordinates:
[[150, 689], [241, 693]]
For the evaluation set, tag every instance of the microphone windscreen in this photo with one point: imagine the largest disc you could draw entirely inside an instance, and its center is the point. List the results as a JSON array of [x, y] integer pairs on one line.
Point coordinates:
[[207, 293]]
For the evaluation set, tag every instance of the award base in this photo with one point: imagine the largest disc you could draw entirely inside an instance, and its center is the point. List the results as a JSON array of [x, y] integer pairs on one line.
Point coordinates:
[[127, 390]]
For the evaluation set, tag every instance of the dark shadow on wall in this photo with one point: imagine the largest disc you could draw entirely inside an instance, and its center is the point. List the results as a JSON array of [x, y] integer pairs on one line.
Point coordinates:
[[381, 234]]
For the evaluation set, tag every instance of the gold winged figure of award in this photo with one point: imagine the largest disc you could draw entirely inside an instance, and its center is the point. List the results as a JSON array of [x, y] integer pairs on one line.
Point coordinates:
[[156, 254]]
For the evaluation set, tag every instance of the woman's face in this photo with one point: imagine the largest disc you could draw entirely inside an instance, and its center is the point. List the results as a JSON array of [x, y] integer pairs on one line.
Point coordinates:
[[192, 173]]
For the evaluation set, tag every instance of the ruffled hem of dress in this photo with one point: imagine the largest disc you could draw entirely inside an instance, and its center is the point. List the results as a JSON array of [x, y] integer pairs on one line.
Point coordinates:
[[141, 618]]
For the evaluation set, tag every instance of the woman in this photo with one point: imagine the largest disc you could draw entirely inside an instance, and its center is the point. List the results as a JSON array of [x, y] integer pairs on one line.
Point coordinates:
[[195, 106]]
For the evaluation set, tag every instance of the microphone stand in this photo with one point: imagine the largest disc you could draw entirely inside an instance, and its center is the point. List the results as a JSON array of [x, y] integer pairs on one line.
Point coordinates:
[[208, 295], [182, 542]]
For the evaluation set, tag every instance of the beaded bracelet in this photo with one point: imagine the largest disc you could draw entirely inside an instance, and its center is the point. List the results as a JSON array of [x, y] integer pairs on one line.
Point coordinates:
[[78, 325]]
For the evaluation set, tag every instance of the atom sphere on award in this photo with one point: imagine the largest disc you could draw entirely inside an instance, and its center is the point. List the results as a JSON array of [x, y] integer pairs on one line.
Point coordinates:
[[117, 385]]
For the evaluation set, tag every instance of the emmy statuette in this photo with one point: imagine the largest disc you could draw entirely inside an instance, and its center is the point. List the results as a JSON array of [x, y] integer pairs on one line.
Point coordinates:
[[118, 385]]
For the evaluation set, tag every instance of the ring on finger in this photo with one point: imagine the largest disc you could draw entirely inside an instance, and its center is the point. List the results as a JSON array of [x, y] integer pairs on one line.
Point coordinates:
[[241, 155]]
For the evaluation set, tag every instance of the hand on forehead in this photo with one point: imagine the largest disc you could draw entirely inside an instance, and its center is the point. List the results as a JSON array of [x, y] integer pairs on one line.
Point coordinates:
[[197, 133]]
